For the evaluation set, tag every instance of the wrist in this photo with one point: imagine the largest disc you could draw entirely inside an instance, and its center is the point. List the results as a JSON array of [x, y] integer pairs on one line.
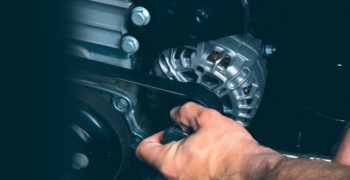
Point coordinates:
[[260, 163]]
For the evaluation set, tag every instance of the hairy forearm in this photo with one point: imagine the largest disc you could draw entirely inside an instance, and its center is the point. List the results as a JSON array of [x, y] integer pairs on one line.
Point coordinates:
[[308, 169], [230, 153], [274, 166]]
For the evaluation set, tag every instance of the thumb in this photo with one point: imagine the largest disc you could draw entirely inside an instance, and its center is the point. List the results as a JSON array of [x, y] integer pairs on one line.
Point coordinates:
[[151, 150]]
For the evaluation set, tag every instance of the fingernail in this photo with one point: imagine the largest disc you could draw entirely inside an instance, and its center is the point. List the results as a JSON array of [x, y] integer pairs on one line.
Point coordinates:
[[175, 110]]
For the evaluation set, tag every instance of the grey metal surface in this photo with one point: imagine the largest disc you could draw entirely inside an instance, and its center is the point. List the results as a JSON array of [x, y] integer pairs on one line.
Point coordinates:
[[233, 67], [99, 21], [93, 52], [140, 16], [97, 27]]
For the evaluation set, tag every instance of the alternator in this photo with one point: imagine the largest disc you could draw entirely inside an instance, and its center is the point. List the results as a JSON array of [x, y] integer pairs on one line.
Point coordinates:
[[232, 67]]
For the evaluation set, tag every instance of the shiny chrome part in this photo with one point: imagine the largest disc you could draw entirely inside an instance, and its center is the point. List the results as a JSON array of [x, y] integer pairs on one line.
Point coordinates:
[[130, 44], [125, 106], [232, 67], [80, 161], [140, 16]]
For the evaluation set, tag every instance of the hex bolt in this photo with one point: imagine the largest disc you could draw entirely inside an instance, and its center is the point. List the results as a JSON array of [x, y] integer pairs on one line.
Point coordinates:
[[269, 50], [201, 16], [80, 161], [121, 104], [140, 16], [130, 44]]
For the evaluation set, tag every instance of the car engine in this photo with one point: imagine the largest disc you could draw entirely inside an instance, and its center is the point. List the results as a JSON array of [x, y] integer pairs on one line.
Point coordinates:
[[135, 60]]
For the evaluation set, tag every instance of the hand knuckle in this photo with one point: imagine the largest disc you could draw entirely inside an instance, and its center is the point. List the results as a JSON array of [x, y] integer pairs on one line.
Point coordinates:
[[204, 115], [186, 107]]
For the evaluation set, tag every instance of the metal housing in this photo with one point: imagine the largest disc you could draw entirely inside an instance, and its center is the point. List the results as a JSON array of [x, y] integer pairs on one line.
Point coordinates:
[[232, 67], [97, 27]]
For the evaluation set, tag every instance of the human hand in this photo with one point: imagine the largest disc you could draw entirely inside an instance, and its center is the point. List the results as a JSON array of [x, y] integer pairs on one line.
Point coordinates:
[[219, 148]]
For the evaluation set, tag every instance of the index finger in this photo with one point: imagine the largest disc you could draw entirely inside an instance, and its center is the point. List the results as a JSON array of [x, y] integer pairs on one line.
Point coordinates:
[[191, 115]]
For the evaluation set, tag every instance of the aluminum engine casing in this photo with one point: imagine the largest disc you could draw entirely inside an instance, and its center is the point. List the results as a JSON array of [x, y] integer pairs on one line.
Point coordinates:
[[97, 27]]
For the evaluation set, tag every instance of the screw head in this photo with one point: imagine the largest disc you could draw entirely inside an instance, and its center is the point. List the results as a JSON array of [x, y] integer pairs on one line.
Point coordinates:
[[130, 44], [122, 104], [269, 50], [140, 16]]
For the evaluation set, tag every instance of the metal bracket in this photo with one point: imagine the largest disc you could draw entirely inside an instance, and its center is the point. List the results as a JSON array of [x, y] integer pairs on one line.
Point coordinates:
[[191, 91]]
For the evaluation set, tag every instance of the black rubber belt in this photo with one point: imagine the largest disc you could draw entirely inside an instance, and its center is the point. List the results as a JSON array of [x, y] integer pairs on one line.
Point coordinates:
[[196, 92]]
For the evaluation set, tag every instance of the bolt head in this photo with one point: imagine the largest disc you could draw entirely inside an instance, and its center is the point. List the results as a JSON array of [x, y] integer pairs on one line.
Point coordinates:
[[122, 104], [269, 50], [130, 44], [140, 16]]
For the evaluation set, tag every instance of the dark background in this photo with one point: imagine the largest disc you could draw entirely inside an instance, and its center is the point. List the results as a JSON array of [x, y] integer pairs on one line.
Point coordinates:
[[311, 38], [32, 91], [306, 90]]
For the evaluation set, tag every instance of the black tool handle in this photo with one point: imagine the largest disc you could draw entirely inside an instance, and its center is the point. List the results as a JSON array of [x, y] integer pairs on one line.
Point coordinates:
[[172, 134]]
